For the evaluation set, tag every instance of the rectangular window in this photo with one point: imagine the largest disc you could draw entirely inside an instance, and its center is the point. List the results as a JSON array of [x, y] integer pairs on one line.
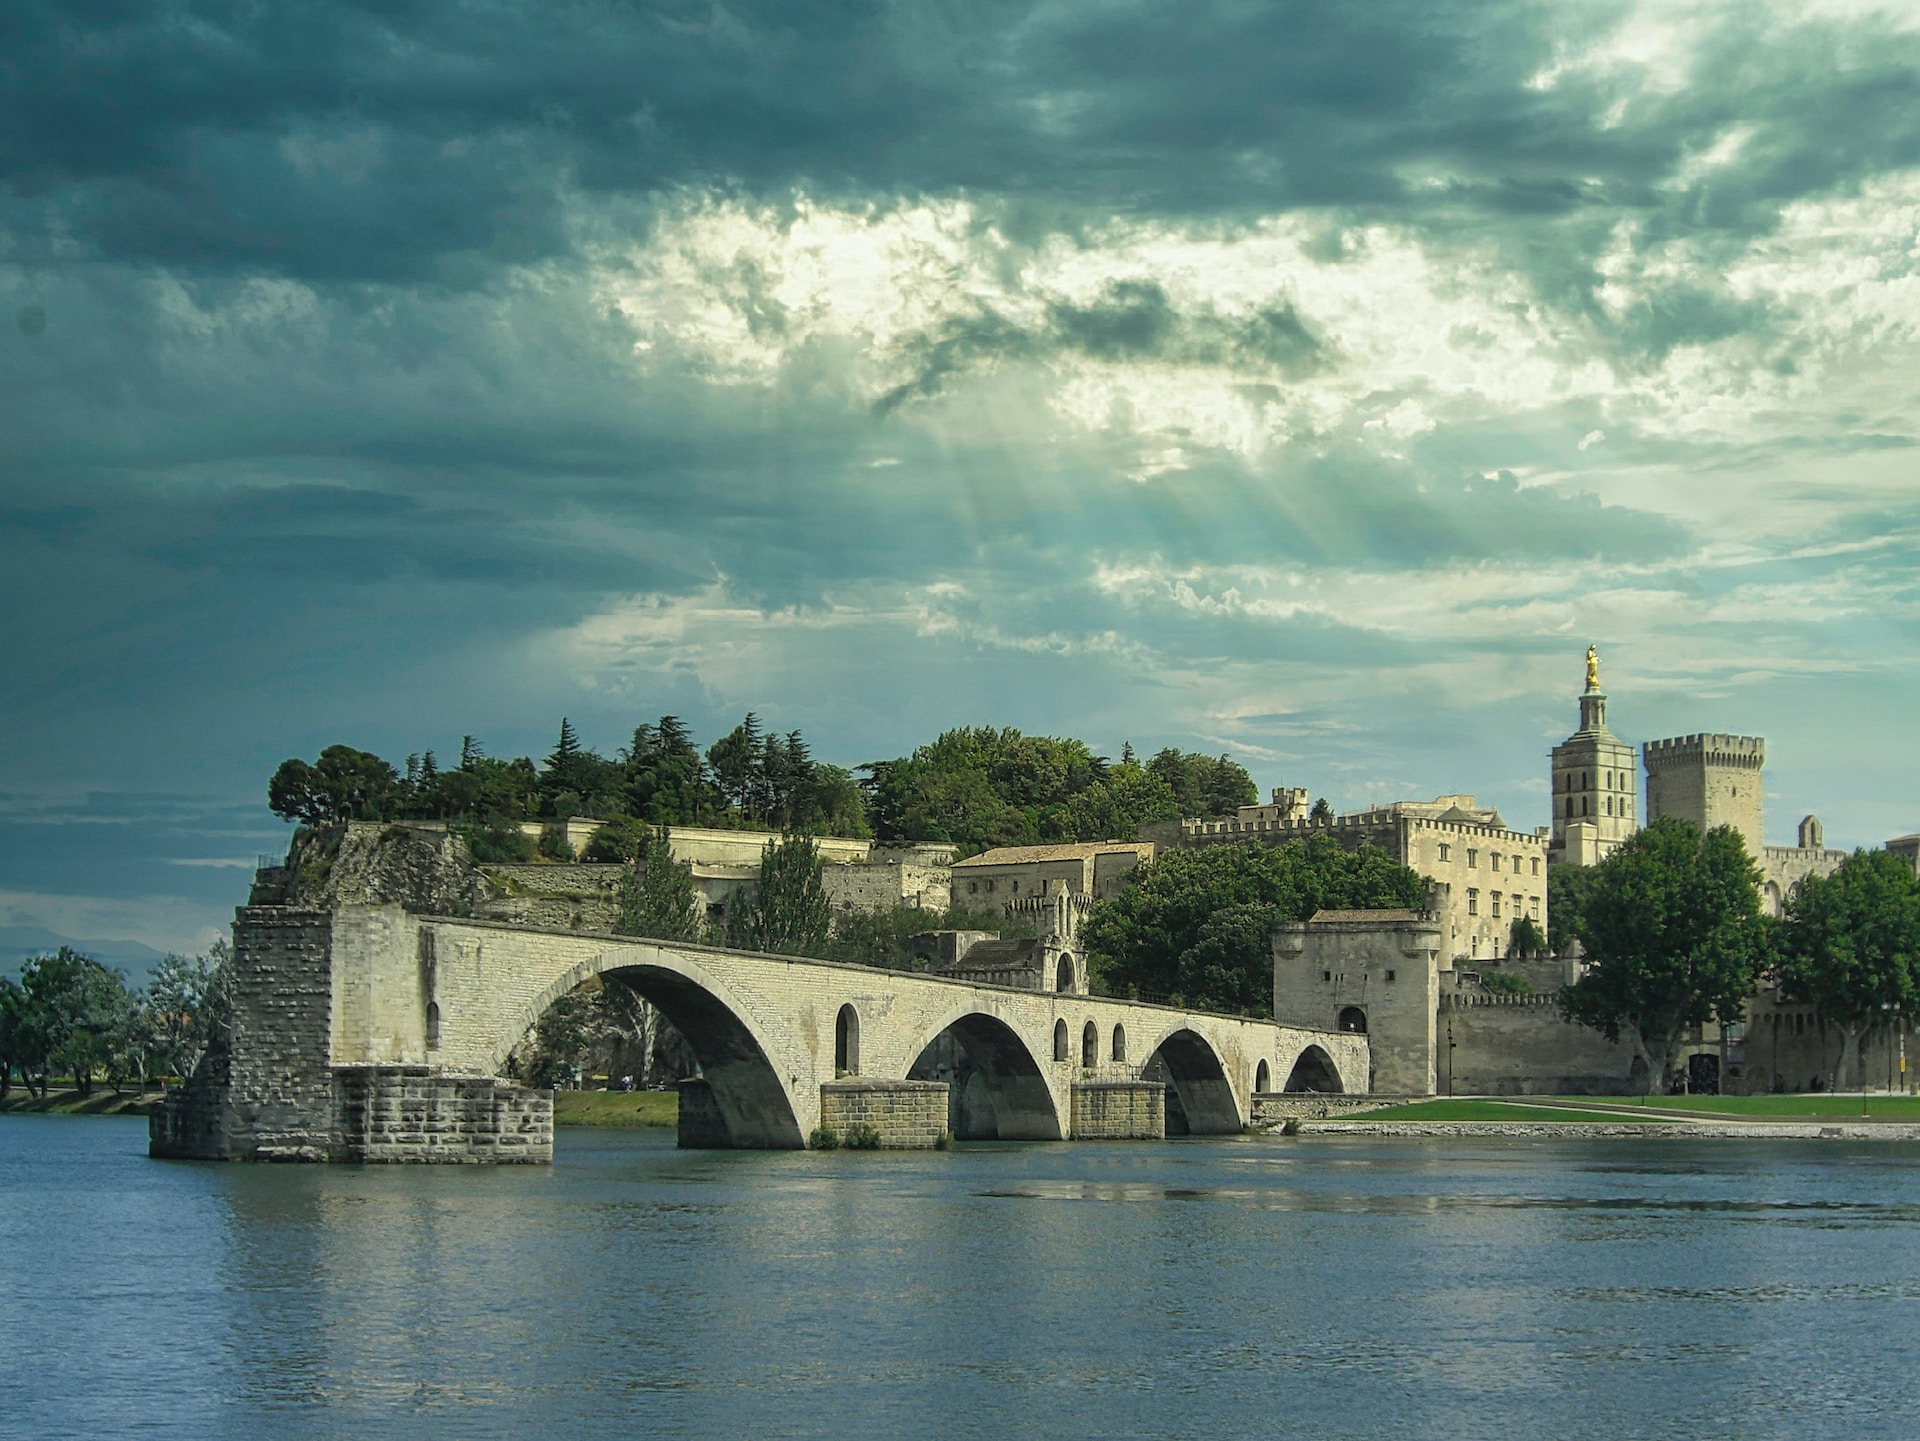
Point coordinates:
[[1533, 907], [1473, 901], [1536, 865], [1496, 905], [1496, 861], [1446, 851], [1389, 975], [1326, 975], [1473, 858]]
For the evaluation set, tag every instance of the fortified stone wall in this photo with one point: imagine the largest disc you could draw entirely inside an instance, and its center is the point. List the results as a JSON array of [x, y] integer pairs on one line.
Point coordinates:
[[1519, 1046], [1710, 780]]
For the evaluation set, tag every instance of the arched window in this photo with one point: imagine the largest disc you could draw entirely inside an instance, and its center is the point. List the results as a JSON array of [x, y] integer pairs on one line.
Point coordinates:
[[1063, 979], [1090, 1046], [1262, 1078], [1061, 1045], [846, 1042], [1352, 1018], [1119, 1042], [433, 1025]]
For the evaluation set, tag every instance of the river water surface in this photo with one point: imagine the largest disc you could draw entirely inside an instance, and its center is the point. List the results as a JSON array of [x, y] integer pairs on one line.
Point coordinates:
[[1248, 1287]]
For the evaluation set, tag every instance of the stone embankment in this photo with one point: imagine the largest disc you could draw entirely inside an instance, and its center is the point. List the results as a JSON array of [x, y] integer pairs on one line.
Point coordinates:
[[1684, 1130]]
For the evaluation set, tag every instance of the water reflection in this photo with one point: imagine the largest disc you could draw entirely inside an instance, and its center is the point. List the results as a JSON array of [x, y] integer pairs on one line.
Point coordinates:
[[1398, 1289]]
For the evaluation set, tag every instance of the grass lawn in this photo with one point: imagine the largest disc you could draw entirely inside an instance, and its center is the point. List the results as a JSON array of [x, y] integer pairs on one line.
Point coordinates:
[[1444, 1110], [1824, 1105], [616, 1108]]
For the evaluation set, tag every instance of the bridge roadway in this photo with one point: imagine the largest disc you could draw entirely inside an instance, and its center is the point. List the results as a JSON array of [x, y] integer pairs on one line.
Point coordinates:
[[770, 1031]]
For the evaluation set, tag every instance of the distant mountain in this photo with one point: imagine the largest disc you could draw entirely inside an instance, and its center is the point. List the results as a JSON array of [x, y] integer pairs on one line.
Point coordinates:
[[17, 943]]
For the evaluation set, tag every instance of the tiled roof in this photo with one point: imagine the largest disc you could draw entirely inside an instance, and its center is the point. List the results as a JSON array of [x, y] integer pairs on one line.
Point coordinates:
[[1079, 851]]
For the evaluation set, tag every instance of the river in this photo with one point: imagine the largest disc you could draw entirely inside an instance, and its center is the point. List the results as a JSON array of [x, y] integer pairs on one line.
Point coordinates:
[[1326, 1287]]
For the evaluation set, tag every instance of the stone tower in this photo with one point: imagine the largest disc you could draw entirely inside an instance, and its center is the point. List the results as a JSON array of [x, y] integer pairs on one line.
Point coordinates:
[[1711, 780], [1593, 784]]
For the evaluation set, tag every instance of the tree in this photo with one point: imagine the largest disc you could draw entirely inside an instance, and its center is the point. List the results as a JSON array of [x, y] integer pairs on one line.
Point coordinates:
[[1202, 785], [1322, 813], [737, 763], [656, 894], [788, 912], [1198, 923], [1568, 890], [1115, 807], [1674, 938], [1849, 944], [83, 1010], [1525, 940], [20, 1043], [189, 1001], [342, 785]]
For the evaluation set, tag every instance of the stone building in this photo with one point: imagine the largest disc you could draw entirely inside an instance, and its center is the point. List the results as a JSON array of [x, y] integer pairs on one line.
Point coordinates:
[[1711, 780], [1051, 960], [999, 879], [1432, 1026], [1482, 876], [1594, 775]]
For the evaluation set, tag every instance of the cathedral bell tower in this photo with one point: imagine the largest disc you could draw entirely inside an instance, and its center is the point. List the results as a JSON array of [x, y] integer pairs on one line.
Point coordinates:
[[1594, 784]]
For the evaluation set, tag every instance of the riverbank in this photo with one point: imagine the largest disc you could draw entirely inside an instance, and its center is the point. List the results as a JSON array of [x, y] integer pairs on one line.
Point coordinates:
[[1773, 1118], [616, 1108], [59, 1102]]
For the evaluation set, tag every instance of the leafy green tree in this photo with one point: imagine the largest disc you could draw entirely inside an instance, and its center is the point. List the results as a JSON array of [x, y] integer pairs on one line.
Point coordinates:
[[1202, 785], [620, 841], [737, 763], [1568, 890], [344, 784], [664, 778], [883, 935], [1322, 813], [656, 895], [1116, 806], [21, 1044], [1525, 939], [788, 912], [1674, 938], [84, 1011], [1198, 924], [188, 1003], [1849, 944]]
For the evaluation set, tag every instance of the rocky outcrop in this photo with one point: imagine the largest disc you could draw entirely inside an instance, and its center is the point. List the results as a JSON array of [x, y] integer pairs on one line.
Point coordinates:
[[424, 868]]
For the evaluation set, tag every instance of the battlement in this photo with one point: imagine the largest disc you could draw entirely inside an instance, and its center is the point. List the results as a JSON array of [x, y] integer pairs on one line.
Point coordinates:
[[1706, 748]]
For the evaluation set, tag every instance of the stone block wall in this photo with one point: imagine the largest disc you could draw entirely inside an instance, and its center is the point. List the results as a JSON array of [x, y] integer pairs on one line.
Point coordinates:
[[279, 1093], [1119, 1111], [909, 1115], [1519, 1046], [411, 1114]]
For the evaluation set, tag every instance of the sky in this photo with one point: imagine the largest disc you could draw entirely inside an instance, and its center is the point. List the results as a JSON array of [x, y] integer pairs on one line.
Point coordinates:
[[1309, 382]]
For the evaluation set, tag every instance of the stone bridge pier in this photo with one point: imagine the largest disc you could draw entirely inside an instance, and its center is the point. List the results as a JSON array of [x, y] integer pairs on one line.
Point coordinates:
[[370, 1033]]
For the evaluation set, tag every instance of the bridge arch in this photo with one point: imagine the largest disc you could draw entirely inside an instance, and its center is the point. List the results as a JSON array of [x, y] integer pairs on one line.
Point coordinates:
[[1200, 1099], [751, 1104], [997, 1090], [1314, 1070]]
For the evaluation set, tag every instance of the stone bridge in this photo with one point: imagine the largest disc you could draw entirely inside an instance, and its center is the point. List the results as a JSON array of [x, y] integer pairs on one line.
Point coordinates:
[[370, 1033]]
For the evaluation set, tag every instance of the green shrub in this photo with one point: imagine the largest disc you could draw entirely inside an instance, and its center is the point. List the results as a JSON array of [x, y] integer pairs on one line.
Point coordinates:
[[619, 842], [496, 840], [943, 1141], [824, 1138], [554, 845], [1505, 983], [863, 1138]]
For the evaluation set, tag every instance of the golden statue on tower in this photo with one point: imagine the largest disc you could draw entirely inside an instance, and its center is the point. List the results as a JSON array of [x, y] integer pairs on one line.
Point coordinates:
[[1593, 669]]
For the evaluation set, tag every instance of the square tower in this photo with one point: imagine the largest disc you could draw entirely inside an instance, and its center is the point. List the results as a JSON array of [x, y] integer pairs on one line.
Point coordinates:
[[1594, 775], [1711, 780]]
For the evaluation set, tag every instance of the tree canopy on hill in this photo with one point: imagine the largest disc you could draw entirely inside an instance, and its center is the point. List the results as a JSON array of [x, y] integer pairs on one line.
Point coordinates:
[[980, 787], [748, 778], [1197, 925]]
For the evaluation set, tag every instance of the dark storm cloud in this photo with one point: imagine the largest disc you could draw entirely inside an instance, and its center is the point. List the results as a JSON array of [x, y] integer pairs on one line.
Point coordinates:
[[384, 140]]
